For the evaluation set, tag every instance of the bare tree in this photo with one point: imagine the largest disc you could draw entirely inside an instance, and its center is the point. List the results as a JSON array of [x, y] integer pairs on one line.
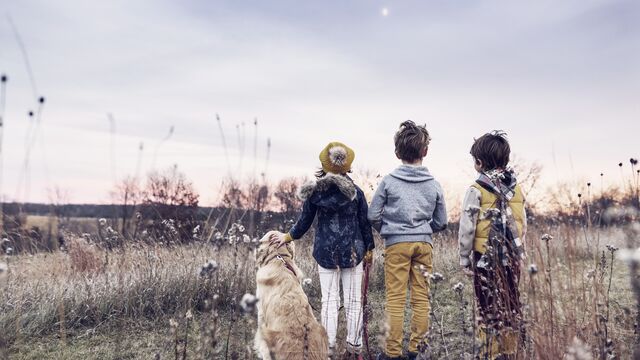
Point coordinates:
[[170, 200], [234, 196], [286, 194], [126, 194]]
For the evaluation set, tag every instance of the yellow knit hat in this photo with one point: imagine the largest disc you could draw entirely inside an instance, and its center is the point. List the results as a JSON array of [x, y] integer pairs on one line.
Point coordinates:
[[337, 158]]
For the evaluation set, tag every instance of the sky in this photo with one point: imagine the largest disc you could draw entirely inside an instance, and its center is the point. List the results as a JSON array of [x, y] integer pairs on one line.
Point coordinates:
[[562, 78]]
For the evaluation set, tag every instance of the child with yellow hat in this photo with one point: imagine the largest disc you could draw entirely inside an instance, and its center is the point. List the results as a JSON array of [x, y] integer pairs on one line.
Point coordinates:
[[343, 240]]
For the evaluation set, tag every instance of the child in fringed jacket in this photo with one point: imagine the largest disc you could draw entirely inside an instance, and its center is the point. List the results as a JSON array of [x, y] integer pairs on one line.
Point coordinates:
[[492, 228], [343, 240]]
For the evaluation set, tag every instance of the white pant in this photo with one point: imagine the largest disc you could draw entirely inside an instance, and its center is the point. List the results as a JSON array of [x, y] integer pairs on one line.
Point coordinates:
[[352, 294]]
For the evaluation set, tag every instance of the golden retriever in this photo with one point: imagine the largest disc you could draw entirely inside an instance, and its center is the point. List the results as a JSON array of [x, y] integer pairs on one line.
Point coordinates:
[[287, 328]]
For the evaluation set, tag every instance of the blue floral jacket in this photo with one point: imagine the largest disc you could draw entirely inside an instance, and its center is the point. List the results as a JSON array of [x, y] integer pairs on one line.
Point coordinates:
[[343, 232]]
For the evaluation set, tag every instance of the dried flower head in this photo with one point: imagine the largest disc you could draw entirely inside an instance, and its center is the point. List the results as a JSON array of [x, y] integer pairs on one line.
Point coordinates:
[[209, 268], [306, 282], [246, 238], [458, 287], [492, 213], [102, 222], [3, 78], [633, 161], [9, 251], [546, 237], [471, 210], [612, 249], [620, 164], [248, 303], [41, 99], [533, 269], [188, 315], [436, 277], [173, 323]]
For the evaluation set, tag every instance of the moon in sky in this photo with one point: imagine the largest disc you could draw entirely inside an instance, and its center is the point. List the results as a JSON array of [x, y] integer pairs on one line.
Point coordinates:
[[385, 11]]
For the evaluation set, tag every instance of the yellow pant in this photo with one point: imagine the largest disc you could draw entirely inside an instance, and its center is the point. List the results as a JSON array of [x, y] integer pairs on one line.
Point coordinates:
[[404, 264]]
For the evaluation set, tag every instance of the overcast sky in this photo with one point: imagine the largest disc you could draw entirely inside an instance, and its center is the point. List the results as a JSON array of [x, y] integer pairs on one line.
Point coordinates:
[[562, 78]]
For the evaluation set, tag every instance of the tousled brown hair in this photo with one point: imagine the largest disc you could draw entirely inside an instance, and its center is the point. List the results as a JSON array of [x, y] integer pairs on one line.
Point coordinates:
[[412, 141], [492, 149]]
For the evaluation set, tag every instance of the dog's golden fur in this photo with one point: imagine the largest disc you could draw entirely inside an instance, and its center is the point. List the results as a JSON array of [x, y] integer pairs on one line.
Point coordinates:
[[287, 328]]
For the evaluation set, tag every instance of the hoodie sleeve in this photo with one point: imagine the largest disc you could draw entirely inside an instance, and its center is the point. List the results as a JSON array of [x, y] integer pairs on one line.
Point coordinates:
[[439, 221], [304, 221], [363, 221], [377, 206], [468, 221]]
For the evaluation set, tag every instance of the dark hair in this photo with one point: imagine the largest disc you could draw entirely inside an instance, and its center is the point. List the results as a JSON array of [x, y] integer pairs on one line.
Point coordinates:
[[492, 149], [412, 141]]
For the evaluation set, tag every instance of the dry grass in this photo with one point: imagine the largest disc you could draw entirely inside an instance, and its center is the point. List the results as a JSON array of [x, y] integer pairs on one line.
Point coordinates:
[[66, 302]]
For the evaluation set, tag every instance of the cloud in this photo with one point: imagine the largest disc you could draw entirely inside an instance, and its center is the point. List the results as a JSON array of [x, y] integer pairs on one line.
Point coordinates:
[[311, 72]]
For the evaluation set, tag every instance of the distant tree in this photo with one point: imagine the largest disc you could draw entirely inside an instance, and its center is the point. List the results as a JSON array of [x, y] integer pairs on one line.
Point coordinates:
[[126, 194], [171, 201], [286, 194], [233, 196]]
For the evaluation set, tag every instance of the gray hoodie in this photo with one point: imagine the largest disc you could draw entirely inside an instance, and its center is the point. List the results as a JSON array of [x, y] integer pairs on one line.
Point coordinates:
[[408, 206]]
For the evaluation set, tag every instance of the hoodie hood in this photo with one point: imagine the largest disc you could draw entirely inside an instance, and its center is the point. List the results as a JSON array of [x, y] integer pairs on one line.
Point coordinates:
[[331, 191], [411, 173]]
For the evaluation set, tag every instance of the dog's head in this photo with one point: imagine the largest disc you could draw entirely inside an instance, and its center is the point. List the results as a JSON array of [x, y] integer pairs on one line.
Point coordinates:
[[268, 250]]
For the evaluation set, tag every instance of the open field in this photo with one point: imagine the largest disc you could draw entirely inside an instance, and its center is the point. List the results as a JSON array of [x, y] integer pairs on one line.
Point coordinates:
[[131, 302]]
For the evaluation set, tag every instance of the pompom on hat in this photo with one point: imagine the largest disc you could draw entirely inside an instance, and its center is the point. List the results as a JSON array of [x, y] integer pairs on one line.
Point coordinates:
[[337, 158]]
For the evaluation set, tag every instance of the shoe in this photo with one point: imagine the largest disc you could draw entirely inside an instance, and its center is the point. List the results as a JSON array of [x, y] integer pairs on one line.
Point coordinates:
[[383, 356]]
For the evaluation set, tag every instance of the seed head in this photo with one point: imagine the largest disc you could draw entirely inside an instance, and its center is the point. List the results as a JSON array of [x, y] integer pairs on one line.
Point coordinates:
[[188, 315], [458, 287], [546, 237], [248, 303], [633, 161], [41, 99], [3, 78], [30, 113], [533, 269], [306, 282], [436, 277], [102, 221], [612, 249], [472, 210], [209, 268], [620, 164]]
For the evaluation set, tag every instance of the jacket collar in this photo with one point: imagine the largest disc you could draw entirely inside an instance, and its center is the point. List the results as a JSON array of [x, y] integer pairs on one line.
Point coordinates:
[[342, 182]]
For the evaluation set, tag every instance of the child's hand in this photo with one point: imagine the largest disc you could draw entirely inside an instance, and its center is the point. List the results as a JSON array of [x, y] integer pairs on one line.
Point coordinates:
[[280, 239], [467, 271], [368, 257]]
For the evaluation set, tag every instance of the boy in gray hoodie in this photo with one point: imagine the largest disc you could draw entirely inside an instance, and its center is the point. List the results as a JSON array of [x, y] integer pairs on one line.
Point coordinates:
[[407, 208]]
